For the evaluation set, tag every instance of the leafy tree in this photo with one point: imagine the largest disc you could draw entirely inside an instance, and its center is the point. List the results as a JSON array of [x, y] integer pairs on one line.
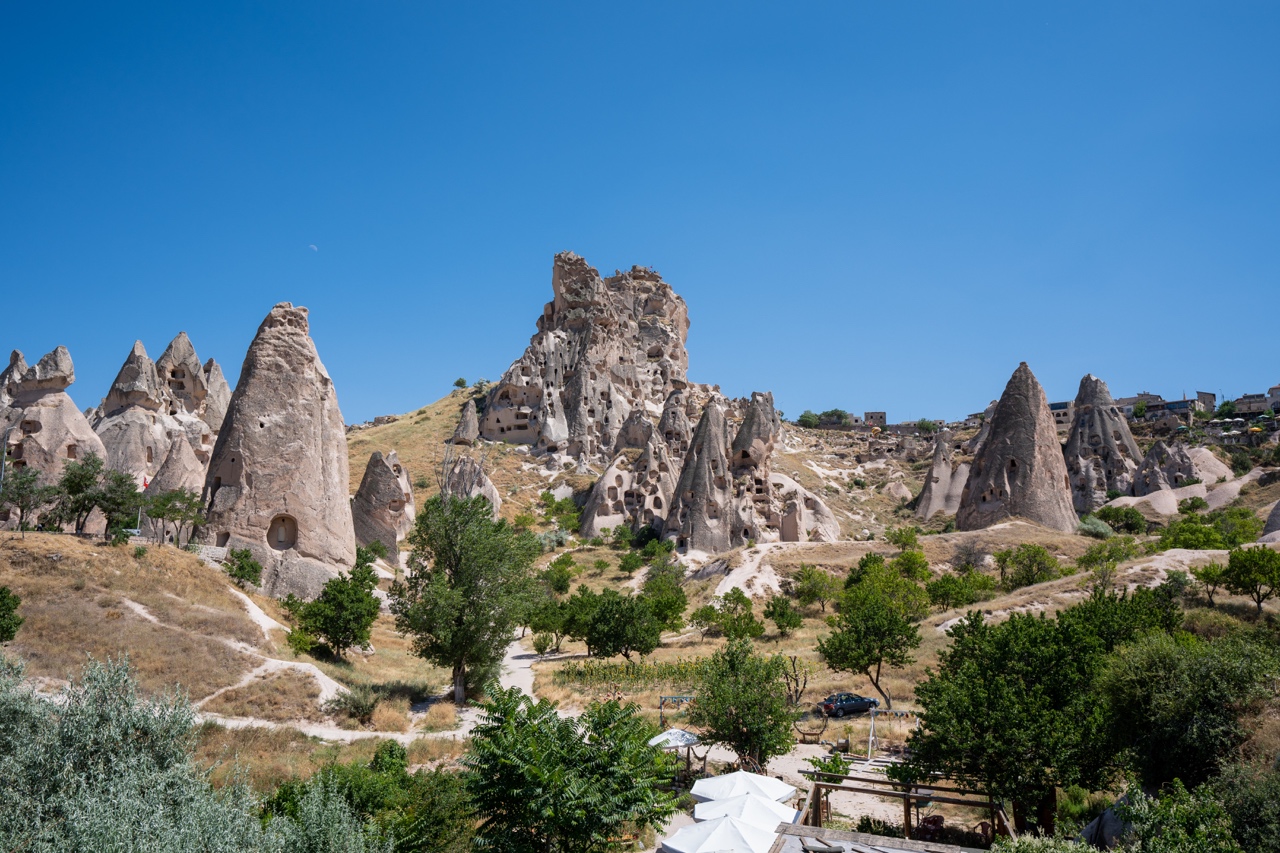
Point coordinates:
[[665, 596], [960, 589], [1124, 519], [579, 611], [10, 621], [344, 612], [737, 621], [545, 784], [741, 703], [926, 426], [1094, 527], [549, 619], [1140, 409], [1254, 572], [559, 575], [1219, 530], [905, 538], [706, 619], [1177, 822], [911, 564], [1173, 706], [1025, 565], [242, 568], [835, 417], [1105, 557], [77, 490], [875, 628], [622, 625], [1251, 797], [808, 420], [1209, 578], [630, 563], [1195, 503], [867, 563], [781, 612], [812, 585], [119, 499], [1226, 409], [25, 494], [181, 508], [468, 584], [460, 383]]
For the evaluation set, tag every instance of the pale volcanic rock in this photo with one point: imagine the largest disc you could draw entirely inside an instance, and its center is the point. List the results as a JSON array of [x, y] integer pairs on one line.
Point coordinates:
[[180, 471], [805, 518], [1100, 453], [11, 376], [468, 429], [636, 489], [944, 483], [466, 479], [604, 347], [137, 383], [133, 420], [701, 514], [1209, 468], [975, 444], [278, 477], [898, 491], [1271, 530], [382, 509], [1166, 466], [1019, 471], [753, 445], [47, 429], [674, 426], [217, 396], [180, 369]]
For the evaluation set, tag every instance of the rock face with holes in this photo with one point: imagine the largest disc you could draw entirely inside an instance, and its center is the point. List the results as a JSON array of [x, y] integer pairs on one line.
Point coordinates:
[[727, 494], [1166, 466], [216, 399], [1101, 454], [605, 346], [1019, 471], [468, 428], [944, 483], [278, 478], [466, 478], [45, 429], [383, 509]]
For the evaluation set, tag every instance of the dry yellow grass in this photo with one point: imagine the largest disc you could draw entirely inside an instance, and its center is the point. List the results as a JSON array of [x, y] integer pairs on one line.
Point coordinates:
[[281, 697], [82, 598], [441, 716]]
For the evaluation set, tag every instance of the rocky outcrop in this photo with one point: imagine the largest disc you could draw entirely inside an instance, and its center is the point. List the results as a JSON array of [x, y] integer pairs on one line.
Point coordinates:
[[133, 420], [468, 429], [180, 469], [1164, 467], [1100, 453], [11, 376], [382, 509], [180, 369], [702, 515], [604, 347], [636, 489], [466, 478], [1271, 530], [804, 516], [975, 444], [45, 428], [278, 478], [943, 484], [216, 398], [1019, 471]]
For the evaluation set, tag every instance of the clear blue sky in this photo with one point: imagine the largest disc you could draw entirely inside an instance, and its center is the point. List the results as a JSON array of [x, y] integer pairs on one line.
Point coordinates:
[[870, 206]]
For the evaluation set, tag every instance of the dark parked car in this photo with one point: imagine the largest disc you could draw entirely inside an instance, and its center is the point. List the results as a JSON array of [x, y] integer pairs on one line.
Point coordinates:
[[839, 704]]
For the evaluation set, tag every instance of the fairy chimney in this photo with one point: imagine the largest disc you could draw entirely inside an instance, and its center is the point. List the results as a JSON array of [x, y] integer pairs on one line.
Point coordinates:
[[382, 509], [1101, 454]]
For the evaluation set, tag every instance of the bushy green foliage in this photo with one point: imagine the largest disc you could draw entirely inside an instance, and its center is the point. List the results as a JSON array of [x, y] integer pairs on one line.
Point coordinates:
[[680, 674], [1254, 572], [77, 490], [460, 382], [1195, 503], [10, 621], [25, 494], [868, 562], [741, 703], [1094, 528], [545, 784], [344, 612], [242, 568], [812, 585], [1209, 579], [875, 628], [1025, 565], [1105, 557], [469, 585], [1176, 821], [783, 614], [905, 538], [1122, 519], [912, 565], [630, 563], [622, 625], [1219, 530], [808, 420], [706, 619], [1251, 797], [665, 595], [737, 621], [358, 703], [960, 589], [564, 511]]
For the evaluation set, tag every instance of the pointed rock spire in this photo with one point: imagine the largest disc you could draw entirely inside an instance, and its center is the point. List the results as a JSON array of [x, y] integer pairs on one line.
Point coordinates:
[[700, 517], [53, 372], [180, 369], [48, 428], [181, 469], [11, 376], [278, 477], [468, 429], [137, 383], [1019, 471], [943, 484], [1101, 454], [217, 398], [382, 509]]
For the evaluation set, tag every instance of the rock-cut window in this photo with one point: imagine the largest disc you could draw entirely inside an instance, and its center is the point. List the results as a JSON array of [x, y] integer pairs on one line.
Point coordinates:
[[282, 534]]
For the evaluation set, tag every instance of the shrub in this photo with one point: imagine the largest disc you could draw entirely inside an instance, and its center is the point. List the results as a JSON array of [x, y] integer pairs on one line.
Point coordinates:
[[459, 383], [300, 642], [1122, 519], [542, 644], [780, 611], [242, 568], [860, 482], [905, 538], [10, 621], [912, 565], [960, 589], [630, 562], [1095, 528], [1190, 505], [358, 703], [523, 521], [808, 420], [1025, 565], [139, 552]]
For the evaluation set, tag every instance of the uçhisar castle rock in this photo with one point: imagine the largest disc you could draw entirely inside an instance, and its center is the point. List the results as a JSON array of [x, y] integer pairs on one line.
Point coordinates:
[[152, 402], [278, 478], [1101, 454], [383, 509], [1019, 471], [45, 429], [944, 482], [605, 346]]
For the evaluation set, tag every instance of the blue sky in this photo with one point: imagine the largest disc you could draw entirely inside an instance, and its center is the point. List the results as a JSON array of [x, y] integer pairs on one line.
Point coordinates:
[[870, 206]]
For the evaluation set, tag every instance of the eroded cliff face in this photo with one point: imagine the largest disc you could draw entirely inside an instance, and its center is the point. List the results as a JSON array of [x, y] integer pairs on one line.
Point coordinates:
[[1100, 453], [45, 429], [383, 508], [604, 347], [278, 477]]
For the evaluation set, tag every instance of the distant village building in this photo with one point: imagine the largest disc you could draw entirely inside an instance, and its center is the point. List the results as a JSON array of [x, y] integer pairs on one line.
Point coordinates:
[[876, 419], [1252, 404], [1062, 413], [1273, 398], [1208, 401], [1126, 404]]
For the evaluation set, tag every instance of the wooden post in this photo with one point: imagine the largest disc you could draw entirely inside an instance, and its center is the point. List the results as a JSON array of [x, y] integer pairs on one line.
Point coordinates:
[[906, 813]]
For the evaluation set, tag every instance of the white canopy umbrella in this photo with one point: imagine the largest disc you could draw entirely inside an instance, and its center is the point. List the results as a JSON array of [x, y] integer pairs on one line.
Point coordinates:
[[751, 808], [674, 738], [722, 835], [741, 782]]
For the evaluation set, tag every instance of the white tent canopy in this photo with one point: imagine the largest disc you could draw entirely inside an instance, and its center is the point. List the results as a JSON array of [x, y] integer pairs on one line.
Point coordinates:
[[674, 738], [741, 782], [751, 808], [722, 835]]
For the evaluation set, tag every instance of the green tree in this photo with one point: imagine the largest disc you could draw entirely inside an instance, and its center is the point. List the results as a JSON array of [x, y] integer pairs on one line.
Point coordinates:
[[180, 508], [912, 565], [545, 784], [468, 584], [867, 563], [706, 619], [812, 585], [24, 494], [875, 628], [630, 563], [808, 420], [459, 383], [622, 625], [119, 499], [1025, 565], [344, 612], [1176, 822], [1195, 503], [926, 426], [737, 621], [780, 611], [665, 595], [741, 703], [242, 568], [76, 494], [960, 589], [1122, 519], [1254, 572], [905, 538], [1140, 409], [1209, 578], [1226, 409], [1105, 557], [10, 621], [1250, 793], [834, 417]]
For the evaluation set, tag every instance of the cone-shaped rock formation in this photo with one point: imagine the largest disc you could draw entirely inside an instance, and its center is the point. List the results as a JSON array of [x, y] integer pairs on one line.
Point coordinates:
[[382, 509], [943, 484], [278, 477], [1019, 471], [48, 430], [469, 427], [1101, 454]]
